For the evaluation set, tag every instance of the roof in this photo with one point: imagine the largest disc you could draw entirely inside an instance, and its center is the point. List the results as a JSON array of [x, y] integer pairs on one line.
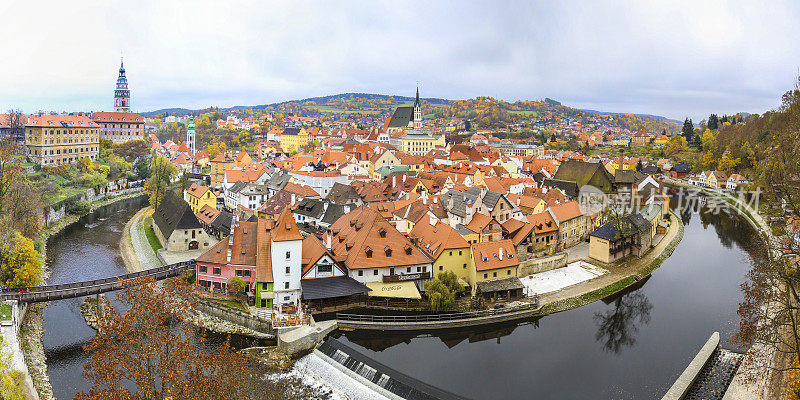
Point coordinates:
[[276, 204], [570, 188], [263, 256], [60, 121], [630, 225], [401, 117], [117, 117], [174, 213], [436, 237], [285, 228], [336, 286], [582, 173], [566, 211], [197, 190], [310, 208], [542, 222], [402, 290], [519, 230], [500, 284], [481, 221], [363, 238], [494, 255]]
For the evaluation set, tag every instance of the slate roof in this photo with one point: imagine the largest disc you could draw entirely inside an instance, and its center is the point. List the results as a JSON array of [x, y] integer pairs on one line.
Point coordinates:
[[681, 168], [341, 193], [582, 172], [313, 208], [174, 213], [333, 213], [336, 286], [631, 225], [459, 203], [237, 187], [570, 188], [401, 117], [500, 284]]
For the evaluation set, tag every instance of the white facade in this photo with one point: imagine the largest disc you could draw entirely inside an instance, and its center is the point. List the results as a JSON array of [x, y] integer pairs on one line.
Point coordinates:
[[324, 268], [320, 184], [286, 271]]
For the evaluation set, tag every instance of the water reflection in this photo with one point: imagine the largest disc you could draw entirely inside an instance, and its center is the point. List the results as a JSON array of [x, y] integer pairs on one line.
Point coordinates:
[[617, 327]]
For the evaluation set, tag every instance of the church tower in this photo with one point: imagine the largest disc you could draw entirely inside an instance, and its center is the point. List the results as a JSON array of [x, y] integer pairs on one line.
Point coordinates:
[[190, 136], [122, 96], [417, 111]]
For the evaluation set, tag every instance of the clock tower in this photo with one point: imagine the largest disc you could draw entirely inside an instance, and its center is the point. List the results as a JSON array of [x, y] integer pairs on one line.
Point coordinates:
[[122, 96]]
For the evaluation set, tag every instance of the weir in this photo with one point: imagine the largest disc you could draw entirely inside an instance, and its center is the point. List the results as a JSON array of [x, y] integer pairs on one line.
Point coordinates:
[[382, 379]]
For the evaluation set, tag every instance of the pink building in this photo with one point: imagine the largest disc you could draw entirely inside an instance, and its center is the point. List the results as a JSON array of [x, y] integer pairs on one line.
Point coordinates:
[[234, 257]]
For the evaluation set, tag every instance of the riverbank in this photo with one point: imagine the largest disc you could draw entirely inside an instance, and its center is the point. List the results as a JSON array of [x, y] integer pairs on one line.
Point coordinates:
[[31, 332], [619, 277], [134, 247]]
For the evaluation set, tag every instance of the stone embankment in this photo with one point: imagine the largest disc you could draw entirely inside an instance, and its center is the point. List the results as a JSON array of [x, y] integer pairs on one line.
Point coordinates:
[[89, 312]]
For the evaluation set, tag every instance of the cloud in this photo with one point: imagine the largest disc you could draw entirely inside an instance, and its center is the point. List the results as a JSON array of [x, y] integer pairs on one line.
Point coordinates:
[[669, 58]]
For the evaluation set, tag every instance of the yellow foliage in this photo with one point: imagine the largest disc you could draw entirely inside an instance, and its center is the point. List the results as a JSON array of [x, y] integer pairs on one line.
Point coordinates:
[[12, 386], [20, 262]]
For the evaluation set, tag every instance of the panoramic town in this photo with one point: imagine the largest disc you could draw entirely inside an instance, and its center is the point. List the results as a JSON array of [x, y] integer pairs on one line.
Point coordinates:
[[425, 243]]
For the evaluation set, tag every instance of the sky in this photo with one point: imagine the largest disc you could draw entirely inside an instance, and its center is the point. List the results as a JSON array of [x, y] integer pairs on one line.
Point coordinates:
[[671, 58]]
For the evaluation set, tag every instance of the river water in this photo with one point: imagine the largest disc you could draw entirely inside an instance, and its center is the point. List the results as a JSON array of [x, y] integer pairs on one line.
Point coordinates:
[[632, 346]]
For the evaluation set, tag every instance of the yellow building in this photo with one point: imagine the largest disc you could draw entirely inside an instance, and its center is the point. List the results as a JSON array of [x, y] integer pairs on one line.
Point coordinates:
[[495, 259], [416, 143], [450, 251], [292, 139], [61, 139], [225, 161], [198, 196]]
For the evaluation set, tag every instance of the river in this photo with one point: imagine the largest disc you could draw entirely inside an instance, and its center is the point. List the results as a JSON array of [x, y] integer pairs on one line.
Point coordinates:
[[630, 347], [633, 346]]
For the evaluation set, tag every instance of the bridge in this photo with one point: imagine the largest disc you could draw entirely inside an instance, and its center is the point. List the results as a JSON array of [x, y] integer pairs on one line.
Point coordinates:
[[38, 294]]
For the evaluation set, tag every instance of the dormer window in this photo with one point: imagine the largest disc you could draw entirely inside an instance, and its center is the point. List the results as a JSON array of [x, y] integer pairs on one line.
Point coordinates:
[[408, 250], [388, 251], [382, 232], [368, 252]]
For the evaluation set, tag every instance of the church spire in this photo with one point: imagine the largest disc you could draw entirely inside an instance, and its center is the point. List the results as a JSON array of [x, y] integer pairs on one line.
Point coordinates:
[[122, 95], [416, 101]]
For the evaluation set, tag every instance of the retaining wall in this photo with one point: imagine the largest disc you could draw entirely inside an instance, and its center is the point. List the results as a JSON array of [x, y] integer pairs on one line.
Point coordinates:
[[251, 322], [542, 264]]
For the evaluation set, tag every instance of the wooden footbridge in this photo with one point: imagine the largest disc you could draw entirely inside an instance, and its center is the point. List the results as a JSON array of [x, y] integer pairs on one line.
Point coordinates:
[[38, 294]]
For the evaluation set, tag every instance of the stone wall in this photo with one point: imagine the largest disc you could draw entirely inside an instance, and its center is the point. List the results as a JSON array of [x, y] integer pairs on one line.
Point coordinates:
[[236, 317], [541, 264]]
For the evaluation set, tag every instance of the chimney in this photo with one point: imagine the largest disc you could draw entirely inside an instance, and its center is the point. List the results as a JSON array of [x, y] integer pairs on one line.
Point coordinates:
[[293, 198], [500, 253], [394, 180], [328, 241], [404, 178]]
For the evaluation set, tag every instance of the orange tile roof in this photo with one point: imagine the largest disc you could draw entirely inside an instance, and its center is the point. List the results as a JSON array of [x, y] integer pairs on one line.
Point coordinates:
[[364, 239], [285, 228], [127, 117], [197, 190], [566, 211], [434, 239], [494, 255], [60, 121]]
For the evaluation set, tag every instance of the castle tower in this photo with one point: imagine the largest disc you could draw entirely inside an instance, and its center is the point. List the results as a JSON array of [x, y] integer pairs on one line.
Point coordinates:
[[190, 136], [122, 96], [417, 111]]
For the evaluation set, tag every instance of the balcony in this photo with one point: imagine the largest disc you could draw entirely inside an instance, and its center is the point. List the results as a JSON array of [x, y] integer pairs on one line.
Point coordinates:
[[406, 277]]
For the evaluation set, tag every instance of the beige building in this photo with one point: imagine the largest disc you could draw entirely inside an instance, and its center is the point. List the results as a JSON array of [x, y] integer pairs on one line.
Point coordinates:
[[53, 140], [120, 126], [416, 142]]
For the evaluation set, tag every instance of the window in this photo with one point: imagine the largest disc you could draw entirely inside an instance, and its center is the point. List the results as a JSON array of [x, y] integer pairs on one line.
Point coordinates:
[[375, 272], [203, 268], [368, 252], [441, 268], [288, 255], [459, 252], [485, 276], [360, 273], [465, 266], [408, 270], [325, 269], [288, 270], [217, 271], [494, 274], [419, 269], [286, 285], [508, 272]]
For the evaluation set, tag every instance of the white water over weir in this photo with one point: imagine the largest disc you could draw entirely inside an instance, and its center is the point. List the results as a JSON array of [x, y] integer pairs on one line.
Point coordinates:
[[349, 374]]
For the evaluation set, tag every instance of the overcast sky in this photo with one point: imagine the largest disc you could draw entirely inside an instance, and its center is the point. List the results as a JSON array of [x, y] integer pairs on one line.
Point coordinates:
[[674, 58]]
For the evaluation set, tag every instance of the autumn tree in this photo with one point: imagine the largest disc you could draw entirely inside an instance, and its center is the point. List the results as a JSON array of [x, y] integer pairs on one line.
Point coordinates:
[[162, 172], [441, 291], [727, 163], [145, 353], [688, 129], [19, 261], [10, 169], [677, 144]]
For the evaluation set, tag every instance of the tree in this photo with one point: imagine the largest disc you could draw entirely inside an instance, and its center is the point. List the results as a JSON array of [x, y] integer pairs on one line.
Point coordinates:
[[441, 291], [94, 180], [161, 174], [713, 122], [12, 381], [688, 129], [10, 169], [143, 354], [748, 155], [639, 166], [19, 261], [709, 141], [132, 150], [727, 163], [677, 144], [235, 284]]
